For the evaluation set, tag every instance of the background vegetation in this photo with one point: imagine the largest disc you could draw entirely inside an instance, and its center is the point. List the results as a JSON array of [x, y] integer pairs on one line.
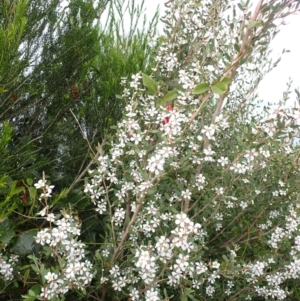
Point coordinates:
[[60, 74]]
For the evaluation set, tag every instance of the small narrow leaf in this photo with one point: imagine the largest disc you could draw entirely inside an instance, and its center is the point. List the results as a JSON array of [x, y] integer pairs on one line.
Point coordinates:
[[236, 47], [35, 268], [226, 80], [26, 275], [201, 88], [253, 24], [17, 190], [219, 88], [171, 95], [149, 83]]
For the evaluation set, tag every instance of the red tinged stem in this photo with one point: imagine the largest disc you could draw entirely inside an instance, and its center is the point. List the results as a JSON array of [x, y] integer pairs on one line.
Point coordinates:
[[24, 197]]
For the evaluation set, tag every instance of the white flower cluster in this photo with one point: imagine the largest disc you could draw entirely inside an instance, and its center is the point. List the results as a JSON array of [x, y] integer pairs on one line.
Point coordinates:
[[292, 223], [178, 164], [47, 189], [185, 227], [6, 266], [291, 270], [146, 265], [74, 270]]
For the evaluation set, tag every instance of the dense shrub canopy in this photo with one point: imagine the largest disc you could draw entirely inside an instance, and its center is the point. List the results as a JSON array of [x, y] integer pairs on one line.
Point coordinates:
[[195, 195]]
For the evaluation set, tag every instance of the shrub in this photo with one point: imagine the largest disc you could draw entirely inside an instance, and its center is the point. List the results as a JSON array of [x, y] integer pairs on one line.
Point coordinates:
[[197, 192]]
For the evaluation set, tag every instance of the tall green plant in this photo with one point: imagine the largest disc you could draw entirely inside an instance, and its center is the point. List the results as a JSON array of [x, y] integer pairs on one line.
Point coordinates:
[[63, 84], [59, 95]]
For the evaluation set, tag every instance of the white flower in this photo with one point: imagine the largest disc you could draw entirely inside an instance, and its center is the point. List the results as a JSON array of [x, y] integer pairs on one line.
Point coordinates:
[[136, 138], [174, 278], [210, 290], [88, 188], [44, 211], [257, 269], [117, 285], [215, 265], [114, 271], [40, 184], [43, 237], [243, 204], [152, 295], [238, 168], [208, 154], [209, 131], [181, 263], [105, 253], [50, 276], [156, 164], [101, 207], [200, 267], [70, 245], [186, 194], [50, 217], [182, 220], [119, 216], [71, 271], [135, 79], [134, 294], [223, 161]]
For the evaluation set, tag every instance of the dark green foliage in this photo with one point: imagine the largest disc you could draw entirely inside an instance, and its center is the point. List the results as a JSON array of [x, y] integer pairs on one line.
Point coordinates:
[[60, 73], [59, 81]]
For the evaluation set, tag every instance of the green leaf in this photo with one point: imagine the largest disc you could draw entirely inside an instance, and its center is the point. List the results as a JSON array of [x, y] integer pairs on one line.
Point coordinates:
[[149, 83], [43, 273], [98, 255], [5, 224], [31, 293], [201, 88], [171, 95], [226, 80], [240, 6], [24, 243], [18, 190], [191, 297], [59, 197], [26, 275], [236, 47], [15, 190], [7, 236], [36, 289], [223, 265], [219, 88], [2, 90], [29, 181], [151, 191], [47, 250], [253, 24], [28, 298], [32, 192], [35, 268]]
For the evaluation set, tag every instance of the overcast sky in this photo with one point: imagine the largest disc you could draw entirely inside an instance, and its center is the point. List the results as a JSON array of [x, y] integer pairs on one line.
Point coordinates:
[[272, 87]]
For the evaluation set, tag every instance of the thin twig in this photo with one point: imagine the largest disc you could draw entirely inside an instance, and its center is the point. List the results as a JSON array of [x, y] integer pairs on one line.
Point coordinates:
[[83, 133]]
